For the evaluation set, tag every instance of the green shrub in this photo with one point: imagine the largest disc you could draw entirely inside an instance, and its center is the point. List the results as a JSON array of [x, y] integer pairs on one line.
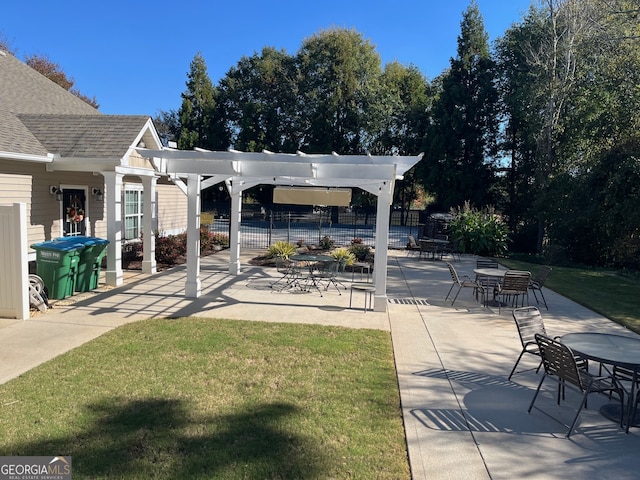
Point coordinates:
[[281, 249], [343, 254], [359, 249], [479, 232], [327, 242]]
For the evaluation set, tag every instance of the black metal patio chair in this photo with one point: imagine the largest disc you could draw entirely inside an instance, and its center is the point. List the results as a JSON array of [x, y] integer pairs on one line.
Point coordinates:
[[559, 362], [464, 282], [514, 284], [537, 282]]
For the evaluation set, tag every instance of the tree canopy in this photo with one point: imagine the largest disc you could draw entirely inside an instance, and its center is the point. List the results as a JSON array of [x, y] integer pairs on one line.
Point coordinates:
[[543, 126]]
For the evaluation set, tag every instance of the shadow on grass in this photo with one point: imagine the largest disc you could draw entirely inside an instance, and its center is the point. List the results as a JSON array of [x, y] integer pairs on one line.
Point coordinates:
[[158, 438]]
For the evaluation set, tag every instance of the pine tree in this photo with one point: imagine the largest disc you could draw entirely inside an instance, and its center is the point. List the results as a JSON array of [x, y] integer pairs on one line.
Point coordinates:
[[200, 124], [463, 135]]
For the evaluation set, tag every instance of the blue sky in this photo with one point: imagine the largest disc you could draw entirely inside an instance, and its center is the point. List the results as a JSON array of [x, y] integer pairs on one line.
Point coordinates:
[[134, 55]]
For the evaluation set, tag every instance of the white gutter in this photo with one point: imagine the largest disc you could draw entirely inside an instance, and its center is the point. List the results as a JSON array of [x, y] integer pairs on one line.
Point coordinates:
[[28, 157]]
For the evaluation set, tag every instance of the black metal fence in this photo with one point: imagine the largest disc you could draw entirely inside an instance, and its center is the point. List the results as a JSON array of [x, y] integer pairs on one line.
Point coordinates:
[[259, 229]]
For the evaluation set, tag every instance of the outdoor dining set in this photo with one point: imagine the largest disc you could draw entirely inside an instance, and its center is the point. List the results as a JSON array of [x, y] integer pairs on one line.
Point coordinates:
[[308, 272], [498, 287], [589, 362]]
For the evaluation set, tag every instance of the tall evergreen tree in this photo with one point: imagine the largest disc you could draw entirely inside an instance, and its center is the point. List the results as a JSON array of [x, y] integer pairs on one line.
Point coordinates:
[[201, 124], [462, 138]]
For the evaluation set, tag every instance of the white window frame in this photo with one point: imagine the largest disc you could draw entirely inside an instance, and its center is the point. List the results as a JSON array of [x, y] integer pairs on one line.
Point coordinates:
[[139, 190]]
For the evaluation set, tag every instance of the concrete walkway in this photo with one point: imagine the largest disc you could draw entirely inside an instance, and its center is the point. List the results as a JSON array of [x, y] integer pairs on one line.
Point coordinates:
[[463, 419]]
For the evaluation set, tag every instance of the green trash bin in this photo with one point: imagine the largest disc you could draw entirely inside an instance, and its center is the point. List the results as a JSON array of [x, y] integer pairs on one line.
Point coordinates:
[[57, 264], [90, 262]]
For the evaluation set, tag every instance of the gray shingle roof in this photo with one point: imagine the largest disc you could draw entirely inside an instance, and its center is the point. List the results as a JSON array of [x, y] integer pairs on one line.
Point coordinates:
[[37, 117], [15, 137], [24, 90], [85, 136]]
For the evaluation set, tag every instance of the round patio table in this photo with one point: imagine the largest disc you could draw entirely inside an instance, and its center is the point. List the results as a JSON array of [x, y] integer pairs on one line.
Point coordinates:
[[610, 349], [490, 272], [310, 260]]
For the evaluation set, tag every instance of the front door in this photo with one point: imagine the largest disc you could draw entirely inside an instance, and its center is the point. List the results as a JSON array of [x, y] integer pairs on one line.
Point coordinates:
[[73, 209]]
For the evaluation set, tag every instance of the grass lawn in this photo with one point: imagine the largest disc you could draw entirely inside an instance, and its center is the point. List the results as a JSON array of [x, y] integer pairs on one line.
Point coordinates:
[[607, 292], [206, 398]]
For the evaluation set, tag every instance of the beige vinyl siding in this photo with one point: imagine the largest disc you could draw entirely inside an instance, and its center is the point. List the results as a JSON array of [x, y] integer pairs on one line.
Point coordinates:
[[172, 209], [17, 189], [29, 182]]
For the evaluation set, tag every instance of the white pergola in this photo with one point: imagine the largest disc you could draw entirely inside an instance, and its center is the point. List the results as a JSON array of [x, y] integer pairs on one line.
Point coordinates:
[[194, 170]]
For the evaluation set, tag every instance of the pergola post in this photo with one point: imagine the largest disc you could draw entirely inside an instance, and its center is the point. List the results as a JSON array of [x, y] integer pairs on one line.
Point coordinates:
[[234, 239], [148, 222], [192, 288], [381, 248]]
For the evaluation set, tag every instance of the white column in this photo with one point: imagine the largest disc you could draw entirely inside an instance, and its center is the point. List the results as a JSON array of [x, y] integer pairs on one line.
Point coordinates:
[[234, 240], [148, 225], [381, 246], [113, 195], [192, 288]]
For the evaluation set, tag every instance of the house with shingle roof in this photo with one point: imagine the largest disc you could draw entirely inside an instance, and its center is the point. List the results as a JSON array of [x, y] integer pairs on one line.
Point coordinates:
[[77, 170]]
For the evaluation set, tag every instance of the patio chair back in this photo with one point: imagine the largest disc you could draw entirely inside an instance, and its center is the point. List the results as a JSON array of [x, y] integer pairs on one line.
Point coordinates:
[[283, 264], [329, 272], [488, 283], [537, 282], [412, 246], [528, 322], [515, 283], [559, 361], [465, 282], [486, 263]]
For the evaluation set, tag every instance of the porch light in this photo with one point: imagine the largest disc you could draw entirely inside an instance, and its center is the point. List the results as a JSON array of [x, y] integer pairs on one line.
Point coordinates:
[[53, 190], [97, 194]]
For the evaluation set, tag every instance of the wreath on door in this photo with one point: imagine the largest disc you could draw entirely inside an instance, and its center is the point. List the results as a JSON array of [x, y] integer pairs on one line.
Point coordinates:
[[75, 213]]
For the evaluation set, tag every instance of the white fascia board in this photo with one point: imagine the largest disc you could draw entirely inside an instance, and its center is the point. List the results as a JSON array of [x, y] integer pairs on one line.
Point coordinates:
[[139, 171], [275, 169], [202, 167], [27, 157], [356, 173], [83, 164]]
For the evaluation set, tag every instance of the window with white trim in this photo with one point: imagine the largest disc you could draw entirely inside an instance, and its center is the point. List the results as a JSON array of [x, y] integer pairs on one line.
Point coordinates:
[[133, 201]]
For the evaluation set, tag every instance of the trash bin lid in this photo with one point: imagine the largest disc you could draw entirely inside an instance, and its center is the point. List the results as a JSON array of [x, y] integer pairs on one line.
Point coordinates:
[[88, 241], [62, 244], [84, 241], [99, 241]]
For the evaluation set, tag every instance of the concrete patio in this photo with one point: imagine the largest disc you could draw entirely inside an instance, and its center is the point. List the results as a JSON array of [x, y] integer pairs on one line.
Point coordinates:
[[463, 418]]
